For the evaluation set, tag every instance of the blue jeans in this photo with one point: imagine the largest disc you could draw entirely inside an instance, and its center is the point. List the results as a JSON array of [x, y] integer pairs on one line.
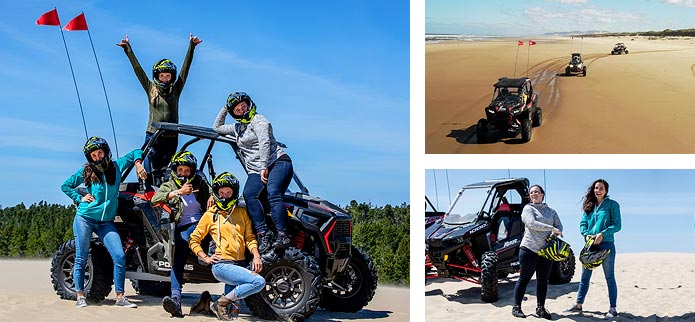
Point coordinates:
[[247, 283], [608, 270], [83, 227], [532, 263], [182, 236], [279, 178]]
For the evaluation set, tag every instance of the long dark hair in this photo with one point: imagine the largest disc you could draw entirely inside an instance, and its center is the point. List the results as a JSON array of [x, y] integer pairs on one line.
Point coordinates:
[[90, 175], [590, 200]]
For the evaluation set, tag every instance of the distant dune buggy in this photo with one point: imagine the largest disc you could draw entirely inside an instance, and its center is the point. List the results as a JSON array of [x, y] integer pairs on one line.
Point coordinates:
[[479, 238], [513, 110], [619, 49], [576, 65]]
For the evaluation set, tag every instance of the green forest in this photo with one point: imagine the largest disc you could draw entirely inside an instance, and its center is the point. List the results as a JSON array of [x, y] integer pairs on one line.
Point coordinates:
[[382, 232]]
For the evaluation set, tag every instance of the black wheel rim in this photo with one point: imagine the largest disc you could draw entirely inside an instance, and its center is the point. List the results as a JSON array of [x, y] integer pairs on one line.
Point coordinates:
[[68, 269], [349, 284], [284, 288], [564, 268]]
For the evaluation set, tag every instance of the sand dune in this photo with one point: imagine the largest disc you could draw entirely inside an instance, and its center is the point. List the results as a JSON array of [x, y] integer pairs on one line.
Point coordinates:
[[651, 287], [27, 295], [635, 103]]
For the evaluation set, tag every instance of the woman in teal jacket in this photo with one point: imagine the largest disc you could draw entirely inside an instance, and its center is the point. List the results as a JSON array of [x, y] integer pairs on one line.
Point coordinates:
[[600, 221], [96, 211]]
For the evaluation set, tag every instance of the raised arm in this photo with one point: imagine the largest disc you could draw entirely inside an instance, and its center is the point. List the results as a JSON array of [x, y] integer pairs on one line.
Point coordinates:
[[183, 75], [220, 127], [139, 72]]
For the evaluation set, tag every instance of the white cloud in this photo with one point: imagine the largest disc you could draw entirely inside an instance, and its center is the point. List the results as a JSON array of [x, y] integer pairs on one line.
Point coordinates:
[[685, 3]]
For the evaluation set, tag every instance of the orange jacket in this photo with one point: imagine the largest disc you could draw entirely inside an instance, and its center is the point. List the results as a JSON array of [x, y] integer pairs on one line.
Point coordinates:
[[236, 232]]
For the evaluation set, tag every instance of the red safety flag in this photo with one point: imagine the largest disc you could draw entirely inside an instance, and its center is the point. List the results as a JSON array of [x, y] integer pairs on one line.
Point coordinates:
[[520, 43], [49, 19], [77, 23], [531, 42]]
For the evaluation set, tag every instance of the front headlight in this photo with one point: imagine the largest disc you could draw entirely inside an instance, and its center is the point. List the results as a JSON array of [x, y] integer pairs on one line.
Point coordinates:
[[491, 111], [571, 66]]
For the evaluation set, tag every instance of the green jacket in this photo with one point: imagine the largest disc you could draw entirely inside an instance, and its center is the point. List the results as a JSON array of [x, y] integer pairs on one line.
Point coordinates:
[[176, 204], [163, 108]]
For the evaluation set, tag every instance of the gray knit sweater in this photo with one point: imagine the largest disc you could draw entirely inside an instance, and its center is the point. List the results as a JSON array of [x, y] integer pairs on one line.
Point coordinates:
[[255, 140], [539, 220]]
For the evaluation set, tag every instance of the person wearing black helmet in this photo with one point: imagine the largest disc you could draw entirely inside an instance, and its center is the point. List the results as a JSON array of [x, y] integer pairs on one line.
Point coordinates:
[[97, 209], [230, 229], [163, 93], [540, 221], [187, 195], [600, 221], [267, 165]]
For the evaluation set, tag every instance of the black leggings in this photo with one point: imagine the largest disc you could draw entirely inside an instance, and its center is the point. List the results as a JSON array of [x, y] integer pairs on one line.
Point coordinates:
[[532, 263]]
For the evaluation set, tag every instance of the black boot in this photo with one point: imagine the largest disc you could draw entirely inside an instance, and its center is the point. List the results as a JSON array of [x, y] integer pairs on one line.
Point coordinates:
[[516, 311], [264, 241], [173, 306], [542, 313], [281, 241]]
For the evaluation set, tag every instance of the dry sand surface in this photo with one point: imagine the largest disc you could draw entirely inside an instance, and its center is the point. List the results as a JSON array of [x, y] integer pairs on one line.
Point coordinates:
[[27, 295], [651, 287], [636, 103]]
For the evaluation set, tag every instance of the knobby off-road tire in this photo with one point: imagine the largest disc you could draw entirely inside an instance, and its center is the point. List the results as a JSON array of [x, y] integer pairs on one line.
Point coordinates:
[[293, 288], [567, 71], [488, 277], [562, 272], [525, 129], [537, 117], [481, 131], [584, 72], [358, 284], [98, 274]]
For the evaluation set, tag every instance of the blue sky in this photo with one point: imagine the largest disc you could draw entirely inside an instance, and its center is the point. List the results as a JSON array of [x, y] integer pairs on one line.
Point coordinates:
[[535, 17], [657, 206], [333, 78]]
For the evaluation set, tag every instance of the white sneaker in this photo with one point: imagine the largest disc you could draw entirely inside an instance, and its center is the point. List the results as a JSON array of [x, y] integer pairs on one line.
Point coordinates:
[[612, 313], [81, 301], [123, 302]]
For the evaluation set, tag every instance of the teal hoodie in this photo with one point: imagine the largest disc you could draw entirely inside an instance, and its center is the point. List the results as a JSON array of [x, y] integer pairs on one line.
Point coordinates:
[[105, 203], [603, 219]]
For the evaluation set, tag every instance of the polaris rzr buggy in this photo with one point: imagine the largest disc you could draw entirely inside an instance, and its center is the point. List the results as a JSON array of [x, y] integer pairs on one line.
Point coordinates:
[[321, 267], [576, 65], [619, 49], [480, 244], [513, 110]]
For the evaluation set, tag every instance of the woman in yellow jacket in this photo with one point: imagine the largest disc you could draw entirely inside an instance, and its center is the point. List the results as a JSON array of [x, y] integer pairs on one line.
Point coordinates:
[[230, 228]]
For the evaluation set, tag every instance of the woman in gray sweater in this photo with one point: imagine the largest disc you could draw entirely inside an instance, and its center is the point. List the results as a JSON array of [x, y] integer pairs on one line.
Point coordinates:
[[267, 165], [540, 221]]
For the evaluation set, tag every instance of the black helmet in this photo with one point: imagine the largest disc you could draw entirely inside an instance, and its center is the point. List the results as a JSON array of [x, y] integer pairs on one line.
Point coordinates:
[[95, 143], [183, 158], [225, 179], [236, 98], [164, 66], [557, 249], [592, 256]]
